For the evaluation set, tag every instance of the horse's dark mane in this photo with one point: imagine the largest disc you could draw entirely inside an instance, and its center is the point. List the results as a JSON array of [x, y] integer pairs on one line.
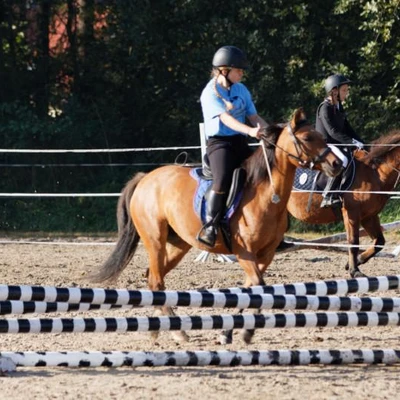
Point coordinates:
[[255, 164], [377, 153]]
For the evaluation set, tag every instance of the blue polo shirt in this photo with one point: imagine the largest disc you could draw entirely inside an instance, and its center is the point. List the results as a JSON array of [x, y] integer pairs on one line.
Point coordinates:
[[213, 107]]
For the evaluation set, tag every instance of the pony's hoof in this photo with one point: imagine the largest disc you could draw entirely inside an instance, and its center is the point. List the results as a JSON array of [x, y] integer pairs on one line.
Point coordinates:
[[358, 274], [226, 338], [180, 336], [247, 335], [154, 336]]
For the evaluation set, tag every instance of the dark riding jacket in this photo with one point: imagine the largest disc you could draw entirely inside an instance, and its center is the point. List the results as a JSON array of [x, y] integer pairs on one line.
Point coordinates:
[[332, 122]]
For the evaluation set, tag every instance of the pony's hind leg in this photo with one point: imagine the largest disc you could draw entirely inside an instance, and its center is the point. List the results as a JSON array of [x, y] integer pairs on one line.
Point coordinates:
[[174, 250]]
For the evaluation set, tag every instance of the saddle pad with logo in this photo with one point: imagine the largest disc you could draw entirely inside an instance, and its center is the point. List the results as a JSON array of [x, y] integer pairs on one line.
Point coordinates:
[[311, 179], [305, 179]]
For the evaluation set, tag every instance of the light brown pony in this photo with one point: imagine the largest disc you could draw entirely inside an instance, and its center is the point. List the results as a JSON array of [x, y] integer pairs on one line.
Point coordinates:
[[376, 171], [158, 207]]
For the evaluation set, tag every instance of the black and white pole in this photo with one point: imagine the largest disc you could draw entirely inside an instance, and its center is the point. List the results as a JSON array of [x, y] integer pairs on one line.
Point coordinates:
[[110, 359], [134, 297], [203, 322], [215, 300]]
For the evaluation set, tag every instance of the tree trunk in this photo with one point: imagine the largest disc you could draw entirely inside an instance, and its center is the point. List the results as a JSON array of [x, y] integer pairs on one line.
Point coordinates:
[[42, 89]]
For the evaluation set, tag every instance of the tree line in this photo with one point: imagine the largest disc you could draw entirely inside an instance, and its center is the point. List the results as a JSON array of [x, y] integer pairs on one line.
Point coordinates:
[[123, 74]]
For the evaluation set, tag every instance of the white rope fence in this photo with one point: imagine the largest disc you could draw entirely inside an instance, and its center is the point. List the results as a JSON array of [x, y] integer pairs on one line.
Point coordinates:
[[143, 149], [395, 252], [83, 151], [59, 194]]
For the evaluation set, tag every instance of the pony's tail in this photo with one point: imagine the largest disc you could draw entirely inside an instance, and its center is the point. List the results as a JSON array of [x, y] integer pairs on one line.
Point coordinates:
[[128, 238]]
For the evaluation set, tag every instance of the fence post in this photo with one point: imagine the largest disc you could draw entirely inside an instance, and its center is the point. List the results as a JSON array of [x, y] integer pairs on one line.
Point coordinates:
[[203, 140]]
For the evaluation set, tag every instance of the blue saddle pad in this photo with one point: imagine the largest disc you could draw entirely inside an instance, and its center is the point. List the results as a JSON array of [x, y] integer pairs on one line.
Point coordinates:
[[199, 199]]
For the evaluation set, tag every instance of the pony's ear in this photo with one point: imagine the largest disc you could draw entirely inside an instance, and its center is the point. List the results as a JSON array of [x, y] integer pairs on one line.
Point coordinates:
[[297, 116]]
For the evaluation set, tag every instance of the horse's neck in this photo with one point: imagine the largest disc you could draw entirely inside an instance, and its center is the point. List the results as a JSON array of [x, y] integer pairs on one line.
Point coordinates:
[[282, 181]]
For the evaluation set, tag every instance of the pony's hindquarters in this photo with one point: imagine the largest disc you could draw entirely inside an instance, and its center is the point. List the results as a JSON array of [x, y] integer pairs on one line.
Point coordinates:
[[128, 237], [299, 207]]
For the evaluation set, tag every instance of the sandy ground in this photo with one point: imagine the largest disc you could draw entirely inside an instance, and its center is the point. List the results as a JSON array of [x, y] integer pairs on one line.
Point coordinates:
[[66, 265]]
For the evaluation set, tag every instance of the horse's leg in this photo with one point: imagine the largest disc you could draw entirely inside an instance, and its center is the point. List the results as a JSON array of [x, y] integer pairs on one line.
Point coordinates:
[[253, 278], [162, 260], [352, 225], [372, 226], [176, 249]]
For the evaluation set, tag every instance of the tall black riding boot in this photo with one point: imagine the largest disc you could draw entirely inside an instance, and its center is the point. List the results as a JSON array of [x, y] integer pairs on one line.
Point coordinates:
[[214, 213]]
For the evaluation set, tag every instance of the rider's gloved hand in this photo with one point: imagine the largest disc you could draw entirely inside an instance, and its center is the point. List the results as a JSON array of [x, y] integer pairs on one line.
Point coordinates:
[[358, 144]]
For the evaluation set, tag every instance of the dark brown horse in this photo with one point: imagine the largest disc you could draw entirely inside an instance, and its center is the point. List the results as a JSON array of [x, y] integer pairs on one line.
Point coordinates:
[[158, 207], [376, 171]]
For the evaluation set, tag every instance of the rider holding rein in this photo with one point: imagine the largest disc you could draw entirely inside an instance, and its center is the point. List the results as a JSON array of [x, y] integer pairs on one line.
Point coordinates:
[[331, 121], [226, 104]]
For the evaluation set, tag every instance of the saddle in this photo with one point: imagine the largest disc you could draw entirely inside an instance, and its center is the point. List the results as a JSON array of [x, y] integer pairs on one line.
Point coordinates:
[[203, 176]]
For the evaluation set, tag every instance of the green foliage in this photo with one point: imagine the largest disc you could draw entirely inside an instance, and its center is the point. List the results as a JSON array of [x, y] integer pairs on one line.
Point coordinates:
[[136, 78]]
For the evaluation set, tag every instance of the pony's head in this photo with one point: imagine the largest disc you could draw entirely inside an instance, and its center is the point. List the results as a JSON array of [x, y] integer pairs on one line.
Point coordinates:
[[297, 141], [306, 147]]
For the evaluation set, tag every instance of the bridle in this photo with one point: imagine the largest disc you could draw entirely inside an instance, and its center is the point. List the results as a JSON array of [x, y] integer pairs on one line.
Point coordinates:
[[311, 161]]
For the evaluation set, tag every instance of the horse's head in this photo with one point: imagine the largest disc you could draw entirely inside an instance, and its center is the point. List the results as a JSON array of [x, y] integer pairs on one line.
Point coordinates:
[[306, 147]]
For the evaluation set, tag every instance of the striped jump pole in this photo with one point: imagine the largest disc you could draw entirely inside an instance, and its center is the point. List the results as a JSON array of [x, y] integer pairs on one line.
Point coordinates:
[[41, 307], [340, 287], [216, 300], [196, 358], [134, 297], [204, 322]]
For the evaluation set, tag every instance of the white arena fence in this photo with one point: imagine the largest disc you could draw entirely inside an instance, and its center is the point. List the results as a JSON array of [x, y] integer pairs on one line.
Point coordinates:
[[126, 150]]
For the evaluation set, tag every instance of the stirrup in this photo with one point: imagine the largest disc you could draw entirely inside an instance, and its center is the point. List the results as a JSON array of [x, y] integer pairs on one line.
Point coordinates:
[[204, 237], [283, 245], [330, 202]]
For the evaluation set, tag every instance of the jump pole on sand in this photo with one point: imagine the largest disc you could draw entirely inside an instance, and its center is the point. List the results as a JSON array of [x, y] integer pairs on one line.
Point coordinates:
[[218, 300], [200, 322], [339, 287], [10, 360]]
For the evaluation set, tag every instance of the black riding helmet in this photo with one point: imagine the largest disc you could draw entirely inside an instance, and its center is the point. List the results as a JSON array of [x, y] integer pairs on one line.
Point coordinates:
[[336, 80], [230, 56]]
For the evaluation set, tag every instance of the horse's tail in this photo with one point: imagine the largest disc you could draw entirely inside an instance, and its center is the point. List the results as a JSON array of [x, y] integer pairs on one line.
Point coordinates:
[[128, 238]]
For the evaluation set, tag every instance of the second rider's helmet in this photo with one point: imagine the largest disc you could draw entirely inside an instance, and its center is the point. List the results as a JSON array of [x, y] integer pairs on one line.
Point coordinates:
[[336, 80]]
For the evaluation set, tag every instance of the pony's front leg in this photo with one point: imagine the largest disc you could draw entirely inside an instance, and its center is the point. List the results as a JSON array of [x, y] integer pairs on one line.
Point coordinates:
[[178, 336], [253, 278], [372, 226]]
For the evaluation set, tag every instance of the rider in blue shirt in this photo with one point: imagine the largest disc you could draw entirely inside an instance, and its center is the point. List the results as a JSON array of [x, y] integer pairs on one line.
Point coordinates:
[[229, 118]]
